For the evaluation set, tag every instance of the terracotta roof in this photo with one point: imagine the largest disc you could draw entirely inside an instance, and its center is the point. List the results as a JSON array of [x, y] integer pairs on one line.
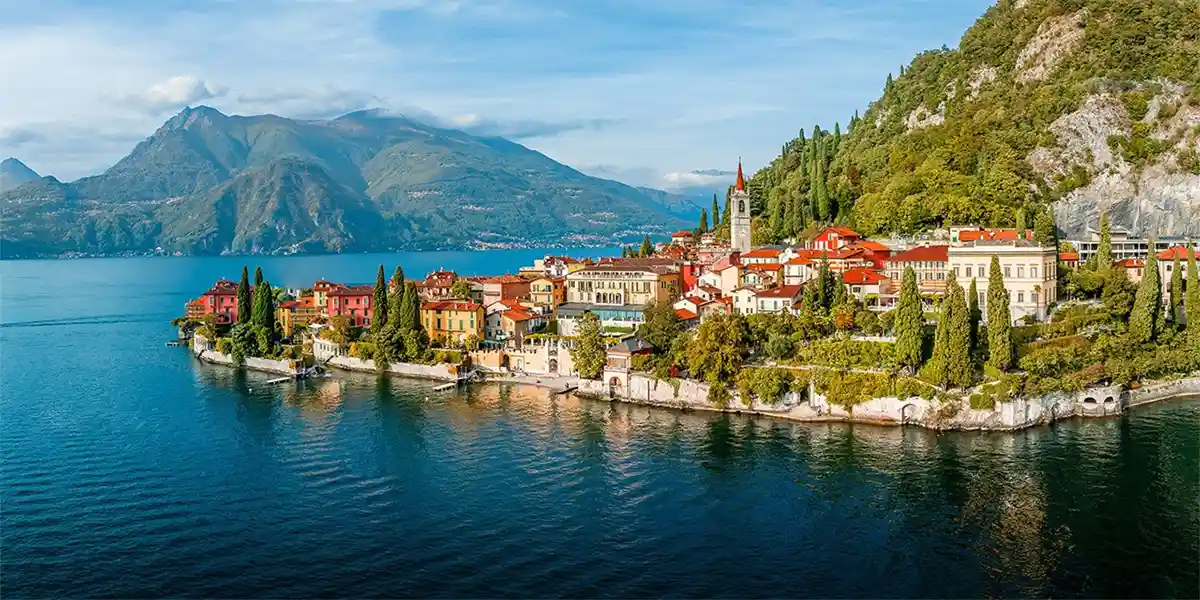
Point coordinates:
[[872, 246], [1130, 263], [842, 231], [450, 305], [684, 314], [1173, 252], [764, 267], [730, 260], [223, 287], [861, 276], [922, 253], [517, 314], [991, 234], [740, 184], [799, 260], [680, 234], [783, 291], [710, 289], [353, 290], [506, 278], [762, 253], [1068, 256]]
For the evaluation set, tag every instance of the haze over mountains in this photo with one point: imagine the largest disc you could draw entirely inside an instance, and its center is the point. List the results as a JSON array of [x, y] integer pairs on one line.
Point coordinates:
[[210, 183]]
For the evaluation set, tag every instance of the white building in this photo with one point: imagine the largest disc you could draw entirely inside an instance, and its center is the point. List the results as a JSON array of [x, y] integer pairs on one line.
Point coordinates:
[[1030, 274], [739, 215]]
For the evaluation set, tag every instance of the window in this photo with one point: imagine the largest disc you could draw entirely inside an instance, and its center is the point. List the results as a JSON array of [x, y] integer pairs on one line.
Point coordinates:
[[957, 274], [1021, 297], [1021, 272], [1033, 296], [1033, 272], [1007, 272], [969, 271]]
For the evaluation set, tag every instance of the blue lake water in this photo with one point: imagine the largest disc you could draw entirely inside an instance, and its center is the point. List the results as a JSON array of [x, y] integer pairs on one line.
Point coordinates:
[[128, 469]]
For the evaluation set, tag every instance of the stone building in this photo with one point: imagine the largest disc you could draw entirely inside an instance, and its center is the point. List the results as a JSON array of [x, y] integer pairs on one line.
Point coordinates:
[[739, 215]]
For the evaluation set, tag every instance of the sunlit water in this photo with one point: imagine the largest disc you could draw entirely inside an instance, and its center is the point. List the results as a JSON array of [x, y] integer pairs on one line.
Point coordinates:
[[130, 470]]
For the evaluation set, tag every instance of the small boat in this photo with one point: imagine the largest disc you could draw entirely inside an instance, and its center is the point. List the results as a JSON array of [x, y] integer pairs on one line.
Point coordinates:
[[278, 380], [173, 344]]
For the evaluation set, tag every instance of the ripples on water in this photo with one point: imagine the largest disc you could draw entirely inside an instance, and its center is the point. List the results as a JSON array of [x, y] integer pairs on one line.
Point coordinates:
[[163, 477]]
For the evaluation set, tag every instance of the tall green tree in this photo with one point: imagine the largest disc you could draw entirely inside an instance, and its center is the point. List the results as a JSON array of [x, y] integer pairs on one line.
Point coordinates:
[[909, 322], [958, 355], [1193, 300], [798, 222], [1022, 225], [935, 369], [264, 308], [703, 221], [999, 322], [717, 353], [811, 299], [412, 300], [589, 353], [1045, 232], [974, 316], [660, 325], [716, 214], [1104, 259], [379, 302], [258, 276], [398, 278], [647, 248], [1147, 305], [824, 286], [725, 213], [1176, 311], [461, 289], [1118, 294], [244, 306]]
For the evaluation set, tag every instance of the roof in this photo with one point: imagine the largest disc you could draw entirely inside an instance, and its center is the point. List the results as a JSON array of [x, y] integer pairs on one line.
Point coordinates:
[[656, 269], [506, 278], [842, 231], [1172, 253], [972, 235], [730, 260], [764, 267], [1130, 263], [576, 309], [517, 314], [922, 253], [222, 287], [630, 345], [684, 314], [762, 253], [783, 291], [861, 276], [871, 246], [1068, 256], [353, 290], [740, 184], [451, 305], [710, 289], [679, 234]]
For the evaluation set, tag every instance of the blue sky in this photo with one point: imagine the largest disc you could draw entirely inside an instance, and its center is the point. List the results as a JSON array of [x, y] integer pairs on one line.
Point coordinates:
[[644, 91]]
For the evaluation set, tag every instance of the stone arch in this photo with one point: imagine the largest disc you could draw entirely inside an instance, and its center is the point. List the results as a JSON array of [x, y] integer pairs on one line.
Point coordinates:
[[906, 412], [614, 381], [504, 360], [1109, 400], [1089, 400], [554, 365]]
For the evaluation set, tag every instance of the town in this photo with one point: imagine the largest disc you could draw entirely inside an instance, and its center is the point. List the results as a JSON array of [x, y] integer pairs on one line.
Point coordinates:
[[1009, 311]]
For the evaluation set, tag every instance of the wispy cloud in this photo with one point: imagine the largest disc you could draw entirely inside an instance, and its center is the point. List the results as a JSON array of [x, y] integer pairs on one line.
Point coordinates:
[[668, 86]]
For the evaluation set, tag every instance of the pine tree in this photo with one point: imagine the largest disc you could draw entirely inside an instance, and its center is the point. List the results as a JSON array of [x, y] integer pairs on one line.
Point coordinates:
[[999, 322], [244, 307], [647, 248], [958, 356], [1147, 305], [974, 316], [1104, 250], [909, 322], [716, 214], [379, 302], [1193, 299], [258, 276], [1176, 311], [703, 221]]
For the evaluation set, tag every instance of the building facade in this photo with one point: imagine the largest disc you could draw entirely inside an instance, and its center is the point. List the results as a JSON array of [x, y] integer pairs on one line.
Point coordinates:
[[622, 284], [1030, 274], [739, 215], [452, 320]]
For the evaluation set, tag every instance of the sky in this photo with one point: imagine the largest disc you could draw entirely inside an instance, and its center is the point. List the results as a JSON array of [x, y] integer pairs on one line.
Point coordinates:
[[665, 93]]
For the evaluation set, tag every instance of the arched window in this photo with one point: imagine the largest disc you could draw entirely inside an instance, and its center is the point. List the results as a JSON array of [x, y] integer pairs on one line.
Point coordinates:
[[741, 206]]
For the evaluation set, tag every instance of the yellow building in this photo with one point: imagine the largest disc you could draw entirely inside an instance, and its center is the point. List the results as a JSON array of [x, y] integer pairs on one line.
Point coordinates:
[[623, 284], [297, 313], [550, 291], [452, 320]]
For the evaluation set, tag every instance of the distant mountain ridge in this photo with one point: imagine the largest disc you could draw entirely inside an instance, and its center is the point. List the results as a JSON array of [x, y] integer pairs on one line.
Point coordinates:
[[14, 173], [210, 183]]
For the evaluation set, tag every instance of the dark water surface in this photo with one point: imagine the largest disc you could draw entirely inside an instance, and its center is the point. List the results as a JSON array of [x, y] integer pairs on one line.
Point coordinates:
[[130, 470]]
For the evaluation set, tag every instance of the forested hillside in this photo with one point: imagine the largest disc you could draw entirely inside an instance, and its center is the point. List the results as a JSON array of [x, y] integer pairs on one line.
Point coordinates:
[[1083, 105]]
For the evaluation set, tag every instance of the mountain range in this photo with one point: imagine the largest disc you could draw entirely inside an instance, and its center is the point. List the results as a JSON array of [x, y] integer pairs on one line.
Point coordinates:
[[210, 183]]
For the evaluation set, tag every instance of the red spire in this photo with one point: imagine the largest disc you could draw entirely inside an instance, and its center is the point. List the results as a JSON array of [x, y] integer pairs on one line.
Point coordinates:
[[741, 182]]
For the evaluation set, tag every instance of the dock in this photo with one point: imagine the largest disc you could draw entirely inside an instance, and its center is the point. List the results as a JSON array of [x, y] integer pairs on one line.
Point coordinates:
[[566, 389], [445, 387], [278, 380]]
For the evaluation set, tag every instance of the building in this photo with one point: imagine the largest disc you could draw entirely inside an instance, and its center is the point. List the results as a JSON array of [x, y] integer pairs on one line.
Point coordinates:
[[508, 323], [929, 263], [613, 319], [683, 238], [437, 285], [785, 298], [548, 291], [1134, 268], [220, 301], [833, 238], [1030, 274], [624, 283], [739, 215], [1123, 245], [762, 275], [452, 321], [297, 313], [963, 235], [355, 302], [761, 256], [321, 289], [504, 287], [618, 362], [865, 284]]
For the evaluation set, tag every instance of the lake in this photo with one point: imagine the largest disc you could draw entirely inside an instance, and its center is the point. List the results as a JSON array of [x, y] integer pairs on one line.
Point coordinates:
[[128, 469]]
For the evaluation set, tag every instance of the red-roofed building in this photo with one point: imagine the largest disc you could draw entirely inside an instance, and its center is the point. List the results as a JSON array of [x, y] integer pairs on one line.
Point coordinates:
[[807, 263], [220, 301], [873, 251], [297, 313], [761, 256], [784, 298], [683, 238], [865, 284], [504, 287], [988, 235], [762, 275], [687, 318], [437, 285], [1071, 259], [707, 293], [833, 238], [353, 302]]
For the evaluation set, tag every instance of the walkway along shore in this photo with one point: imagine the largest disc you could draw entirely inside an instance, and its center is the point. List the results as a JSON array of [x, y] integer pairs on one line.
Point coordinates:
[[1019, 413]]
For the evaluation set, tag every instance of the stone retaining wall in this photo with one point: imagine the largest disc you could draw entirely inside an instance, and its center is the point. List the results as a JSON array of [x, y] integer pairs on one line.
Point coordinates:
[[203, 349], [440, 372]]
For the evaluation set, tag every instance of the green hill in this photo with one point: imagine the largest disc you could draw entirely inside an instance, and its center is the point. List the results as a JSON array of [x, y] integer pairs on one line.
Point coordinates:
[[210, 183], [1083, 105]]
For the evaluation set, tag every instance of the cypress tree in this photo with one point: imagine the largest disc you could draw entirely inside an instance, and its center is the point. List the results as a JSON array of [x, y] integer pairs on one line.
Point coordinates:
[[789, 221], [647, 249], [839, 294], [958, 355], [974, 316], [1045, 232], [811, 298], [703, 221], [1176, 292], [824, 286], [258, 277], [264, 307], [1021, 225], [909, 321], [936, 368], [244, 307], [407, 315], [398, 279], [777, 218], [396, 300], [725, 213], [716, 214], [999, 322], [1193, 299], [797, 214], [1147, 305], [1104, 250], [379, 302]]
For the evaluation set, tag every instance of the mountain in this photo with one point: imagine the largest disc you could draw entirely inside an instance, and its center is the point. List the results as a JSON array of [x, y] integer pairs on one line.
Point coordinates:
[[210, 183], [1076, 106], [14, 173]]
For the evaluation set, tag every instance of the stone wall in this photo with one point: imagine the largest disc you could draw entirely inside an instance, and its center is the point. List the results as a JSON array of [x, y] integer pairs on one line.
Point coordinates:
[[204, 350], [1162, 391], [439, 372]]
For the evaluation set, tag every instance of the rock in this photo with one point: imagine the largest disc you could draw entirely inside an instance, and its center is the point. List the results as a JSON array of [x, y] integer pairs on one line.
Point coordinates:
[[1054, 40]]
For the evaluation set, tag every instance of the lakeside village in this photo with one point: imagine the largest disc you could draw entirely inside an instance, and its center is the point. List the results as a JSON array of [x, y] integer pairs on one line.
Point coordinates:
[[966, 327]]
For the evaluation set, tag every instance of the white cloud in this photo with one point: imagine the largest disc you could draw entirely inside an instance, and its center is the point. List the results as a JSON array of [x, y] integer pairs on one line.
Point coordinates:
[[175, 93], [697, 178]]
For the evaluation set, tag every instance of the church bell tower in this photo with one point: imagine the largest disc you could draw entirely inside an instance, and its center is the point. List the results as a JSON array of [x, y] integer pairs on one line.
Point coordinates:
[[739, 213]]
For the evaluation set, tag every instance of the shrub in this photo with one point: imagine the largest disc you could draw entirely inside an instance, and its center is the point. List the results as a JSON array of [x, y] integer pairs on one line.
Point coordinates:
[[362, 350], [846, 354], [224, 345]]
